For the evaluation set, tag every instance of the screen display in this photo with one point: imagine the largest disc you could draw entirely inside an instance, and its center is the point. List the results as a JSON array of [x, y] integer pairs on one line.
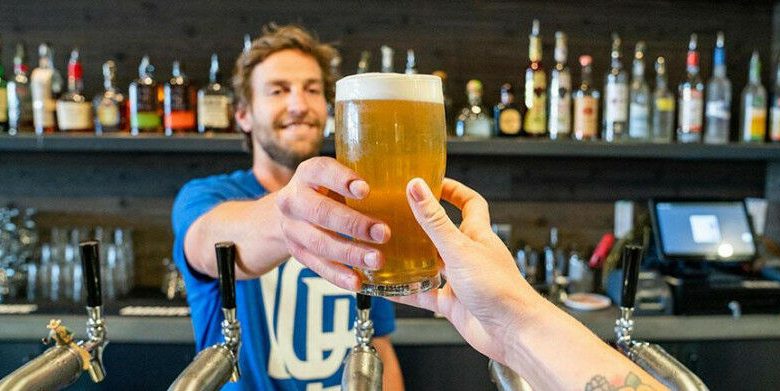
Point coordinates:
[[706, 230]]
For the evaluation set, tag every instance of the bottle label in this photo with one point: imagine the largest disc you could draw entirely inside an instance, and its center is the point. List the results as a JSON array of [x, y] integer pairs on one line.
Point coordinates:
[[560, 115], [478, 127], [146, 98], [755, 124], [616, 100], [179, 98], [145, 121], [108, 114], [585, 110], [718, 109], [3, 105], [213, 111], [536, 100], [74, 115], [509, 122], [639, 124], [691, 111], [43, 104], [774, 134], [664, 104], [180, 120]]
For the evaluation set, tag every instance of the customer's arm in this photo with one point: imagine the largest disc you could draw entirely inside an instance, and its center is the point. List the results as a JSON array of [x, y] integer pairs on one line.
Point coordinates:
[[392, 380], [499, 313], [300, 220]]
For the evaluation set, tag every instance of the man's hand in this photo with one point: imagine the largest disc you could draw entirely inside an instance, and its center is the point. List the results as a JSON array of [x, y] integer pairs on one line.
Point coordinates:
[[314, 225]]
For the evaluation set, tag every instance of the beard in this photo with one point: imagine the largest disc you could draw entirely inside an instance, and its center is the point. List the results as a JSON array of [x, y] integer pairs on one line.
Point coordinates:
[[285, 155]]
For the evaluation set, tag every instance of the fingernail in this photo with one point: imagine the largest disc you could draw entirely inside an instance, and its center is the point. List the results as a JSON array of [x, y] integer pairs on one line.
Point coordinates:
[[358, 188], [417, 190], [378, 232], [371, 260]]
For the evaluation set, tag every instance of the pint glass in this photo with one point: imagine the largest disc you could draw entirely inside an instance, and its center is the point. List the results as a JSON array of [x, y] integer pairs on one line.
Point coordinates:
[[390, 128]]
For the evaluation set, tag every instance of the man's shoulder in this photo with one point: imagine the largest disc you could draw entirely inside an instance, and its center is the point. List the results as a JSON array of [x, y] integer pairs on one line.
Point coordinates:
[[240, 183]]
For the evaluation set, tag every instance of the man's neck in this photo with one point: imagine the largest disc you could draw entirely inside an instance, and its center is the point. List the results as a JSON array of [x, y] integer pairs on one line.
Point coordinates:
[[270, 174]]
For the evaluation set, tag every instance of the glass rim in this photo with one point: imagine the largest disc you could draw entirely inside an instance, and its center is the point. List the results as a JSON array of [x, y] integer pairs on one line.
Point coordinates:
[[390, 86]]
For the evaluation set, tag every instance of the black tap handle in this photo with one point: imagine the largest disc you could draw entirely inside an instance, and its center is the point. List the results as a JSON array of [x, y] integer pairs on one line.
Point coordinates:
[[90, 260], [226, 260], [632, 256], [363, 301]]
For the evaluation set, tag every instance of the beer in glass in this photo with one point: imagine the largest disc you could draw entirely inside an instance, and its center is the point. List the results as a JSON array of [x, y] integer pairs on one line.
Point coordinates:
[[390, 128]]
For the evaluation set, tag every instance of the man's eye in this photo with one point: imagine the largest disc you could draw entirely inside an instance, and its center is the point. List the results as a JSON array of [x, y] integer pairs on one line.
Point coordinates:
[[275, 91], [316, 91]]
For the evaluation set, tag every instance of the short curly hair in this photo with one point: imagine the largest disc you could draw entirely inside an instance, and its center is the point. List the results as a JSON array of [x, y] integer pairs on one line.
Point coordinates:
[[274, 39]]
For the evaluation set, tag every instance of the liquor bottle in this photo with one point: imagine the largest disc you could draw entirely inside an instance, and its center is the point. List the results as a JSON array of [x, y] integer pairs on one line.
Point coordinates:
[[449, 111], [774, 132], [411, 63], [662, 124], [586, 104], [20, 118], [330, 122], [387, 58], [247, 43], [74, 111], [559, 123], [215, 103], [3, 96], [45, 87], [473, 120], [691, 98], [508, 115], [535, 121], [639, 96], [179, 117], [753, 118], [615, 97], [111, 105], [718, 107], [142, 95], [364, 63]]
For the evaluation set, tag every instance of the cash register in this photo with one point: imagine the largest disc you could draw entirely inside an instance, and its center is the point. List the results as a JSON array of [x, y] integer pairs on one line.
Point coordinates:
[[705, 249]]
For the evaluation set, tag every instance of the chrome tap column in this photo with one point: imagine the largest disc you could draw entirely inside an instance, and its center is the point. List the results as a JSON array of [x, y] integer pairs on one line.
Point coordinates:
[[218, 364], [363, 367], [650, 357], [63, 363]]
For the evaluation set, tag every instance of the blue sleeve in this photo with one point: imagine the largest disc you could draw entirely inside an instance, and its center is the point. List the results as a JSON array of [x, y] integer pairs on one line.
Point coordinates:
[[383, 316]]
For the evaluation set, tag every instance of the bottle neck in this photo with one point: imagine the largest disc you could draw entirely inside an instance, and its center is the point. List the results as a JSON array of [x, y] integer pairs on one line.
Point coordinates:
[[587, 77], [692, 63], [507, 98], [719, 62], [75, 83], [475, 99], [535, 50]]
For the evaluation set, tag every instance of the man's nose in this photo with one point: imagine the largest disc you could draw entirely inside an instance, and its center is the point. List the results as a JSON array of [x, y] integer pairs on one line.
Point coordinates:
[[298, 103]]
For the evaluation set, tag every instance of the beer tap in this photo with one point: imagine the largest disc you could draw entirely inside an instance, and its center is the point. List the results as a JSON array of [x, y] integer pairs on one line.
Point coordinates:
[[650, 357], [63, 363], [363, 367], [218, 364]]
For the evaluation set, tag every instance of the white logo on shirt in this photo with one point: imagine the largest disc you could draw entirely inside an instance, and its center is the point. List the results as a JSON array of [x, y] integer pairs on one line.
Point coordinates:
[[283, 362]]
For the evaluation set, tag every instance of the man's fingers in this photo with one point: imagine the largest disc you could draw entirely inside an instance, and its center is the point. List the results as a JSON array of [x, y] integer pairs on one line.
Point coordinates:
[[427, 300], [337, 274], [309, 205], [327, 172], [327, 245], [431, 216], [474, 208]]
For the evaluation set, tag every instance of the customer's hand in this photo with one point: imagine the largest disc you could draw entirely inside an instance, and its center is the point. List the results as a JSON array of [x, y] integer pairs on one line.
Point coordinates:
[[314, 222], [485, 295]]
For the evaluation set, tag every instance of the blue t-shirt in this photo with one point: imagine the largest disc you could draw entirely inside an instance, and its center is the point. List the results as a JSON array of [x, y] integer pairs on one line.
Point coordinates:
[[296, 328]]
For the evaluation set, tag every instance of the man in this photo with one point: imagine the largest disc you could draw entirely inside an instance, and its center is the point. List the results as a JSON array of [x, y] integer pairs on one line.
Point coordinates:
[[296, 326]]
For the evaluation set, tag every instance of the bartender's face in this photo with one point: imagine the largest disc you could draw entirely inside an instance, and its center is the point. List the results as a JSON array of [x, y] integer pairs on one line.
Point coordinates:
[[288, 110]]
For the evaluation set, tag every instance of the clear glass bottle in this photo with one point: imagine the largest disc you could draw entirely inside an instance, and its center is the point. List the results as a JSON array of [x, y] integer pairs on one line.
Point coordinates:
[[718, 107], [74, 111], [639, 96], [662, 123], [178, 113], [586, 104], [144, 106], [45, 87], [615, 120], [387, 58], [20, 118], [474, 120], [753, 113], [559, 122], [411, 63], [691, 99], [111, 105], [508, 115], [535, 121], [774, 131], [215, 103]]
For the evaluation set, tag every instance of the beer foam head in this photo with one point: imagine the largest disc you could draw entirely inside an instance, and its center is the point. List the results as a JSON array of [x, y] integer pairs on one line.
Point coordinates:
[[390, 86]]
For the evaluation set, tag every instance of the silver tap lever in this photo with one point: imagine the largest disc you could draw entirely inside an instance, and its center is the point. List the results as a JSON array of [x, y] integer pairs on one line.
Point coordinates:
[[218, 364], [62, 364], [363, 367], [506, 379], [650, 357]]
